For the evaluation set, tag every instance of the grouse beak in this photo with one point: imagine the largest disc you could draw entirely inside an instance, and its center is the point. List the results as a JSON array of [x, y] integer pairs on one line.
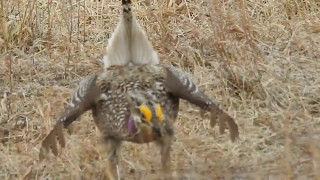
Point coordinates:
[[157, 131]]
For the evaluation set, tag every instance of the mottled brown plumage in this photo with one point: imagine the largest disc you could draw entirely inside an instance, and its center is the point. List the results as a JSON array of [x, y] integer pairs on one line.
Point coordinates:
[[114, 96]]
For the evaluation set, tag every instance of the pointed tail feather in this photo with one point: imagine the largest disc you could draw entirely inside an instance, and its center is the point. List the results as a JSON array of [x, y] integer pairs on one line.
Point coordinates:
[[127, 17], [126, 8]]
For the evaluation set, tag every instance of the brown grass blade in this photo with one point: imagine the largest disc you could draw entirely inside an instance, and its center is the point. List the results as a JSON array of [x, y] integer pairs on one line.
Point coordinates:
[[4, 24]]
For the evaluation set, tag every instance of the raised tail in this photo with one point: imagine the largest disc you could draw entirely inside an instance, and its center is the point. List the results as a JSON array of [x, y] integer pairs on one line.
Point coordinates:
[[82, 100], [128, 44], [180, 85]]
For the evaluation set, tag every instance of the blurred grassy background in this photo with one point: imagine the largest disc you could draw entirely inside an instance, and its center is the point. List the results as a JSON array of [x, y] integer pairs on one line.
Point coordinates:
[[259, 59]]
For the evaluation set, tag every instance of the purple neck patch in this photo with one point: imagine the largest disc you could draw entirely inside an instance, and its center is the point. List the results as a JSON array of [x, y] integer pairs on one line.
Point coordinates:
[[131, 125]]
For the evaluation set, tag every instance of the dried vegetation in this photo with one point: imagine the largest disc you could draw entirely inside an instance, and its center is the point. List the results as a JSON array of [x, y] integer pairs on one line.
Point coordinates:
[[259, 59]]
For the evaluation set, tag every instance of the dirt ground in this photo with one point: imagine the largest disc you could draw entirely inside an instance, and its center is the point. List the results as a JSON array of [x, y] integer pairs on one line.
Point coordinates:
[[260, 60]]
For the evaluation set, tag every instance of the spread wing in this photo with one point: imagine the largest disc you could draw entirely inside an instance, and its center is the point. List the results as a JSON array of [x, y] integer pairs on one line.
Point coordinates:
[[179, 84], [83, 99]]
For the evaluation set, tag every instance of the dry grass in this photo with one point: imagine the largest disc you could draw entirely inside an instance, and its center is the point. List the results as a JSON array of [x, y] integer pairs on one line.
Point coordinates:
[[259, 59]]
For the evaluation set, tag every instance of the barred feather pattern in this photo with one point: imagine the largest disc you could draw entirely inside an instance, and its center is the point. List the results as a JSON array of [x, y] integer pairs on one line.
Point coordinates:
[[82, 100], [110, 94]]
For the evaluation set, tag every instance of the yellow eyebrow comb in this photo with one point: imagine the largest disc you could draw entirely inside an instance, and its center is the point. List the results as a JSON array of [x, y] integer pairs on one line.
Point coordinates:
[[159, 112], [146, 112]]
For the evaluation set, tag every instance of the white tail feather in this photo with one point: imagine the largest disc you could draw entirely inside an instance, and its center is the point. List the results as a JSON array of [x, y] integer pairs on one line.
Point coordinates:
[[129, 46]]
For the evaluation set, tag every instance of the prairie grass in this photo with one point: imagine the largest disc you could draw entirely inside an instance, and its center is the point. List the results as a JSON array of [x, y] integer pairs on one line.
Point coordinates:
[[259, 59]]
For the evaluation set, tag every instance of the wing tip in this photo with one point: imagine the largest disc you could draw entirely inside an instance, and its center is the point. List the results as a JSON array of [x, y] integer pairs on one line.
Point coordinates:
[[50, 142], [225, 121]]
